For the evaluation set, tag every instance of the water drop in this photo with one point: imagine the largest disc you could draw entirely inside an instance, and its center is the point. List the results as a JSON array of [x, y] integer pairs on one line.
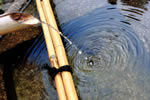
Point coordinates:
[[85, 58], [70, 43], [80, 52], [91, 63]]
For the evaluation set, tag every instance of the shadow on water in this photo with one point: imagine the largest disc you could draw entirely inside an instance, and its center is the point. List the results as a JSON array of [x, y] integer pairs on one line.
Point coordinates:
[[110, 56], [8, 59]]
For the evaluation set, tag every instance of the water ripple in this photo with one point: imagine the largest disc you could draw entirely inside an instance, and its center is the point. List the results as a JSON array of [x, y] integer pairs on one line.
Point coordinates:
[[111, 52], [108, 57]]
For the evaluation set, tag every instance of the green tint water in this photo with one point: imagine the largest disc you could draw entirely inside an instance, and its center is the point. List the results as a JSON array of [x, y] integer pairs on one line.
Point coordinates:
[[1, 2]]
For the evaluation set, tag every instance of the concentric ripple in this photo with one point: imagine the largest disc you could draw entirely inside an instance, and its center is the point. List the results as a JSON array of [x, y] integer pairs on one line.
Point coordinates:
[[112, 58]]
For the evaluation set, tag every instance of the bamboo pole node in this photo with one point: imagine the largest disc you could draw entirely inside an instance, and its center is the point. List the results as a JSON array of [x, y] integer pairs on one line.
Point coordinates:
[[52, 56]]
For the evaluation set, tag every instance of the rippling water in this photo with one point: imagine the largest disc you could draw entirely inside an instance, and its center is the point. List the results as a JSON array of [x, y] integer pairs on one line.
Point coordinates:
[[110, 55]]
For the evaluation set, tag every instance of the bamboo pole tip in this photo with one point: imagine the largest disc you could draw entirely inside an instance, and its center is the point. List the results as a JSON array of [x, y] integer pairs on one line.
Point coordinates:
[[24, 18], [32, 21]]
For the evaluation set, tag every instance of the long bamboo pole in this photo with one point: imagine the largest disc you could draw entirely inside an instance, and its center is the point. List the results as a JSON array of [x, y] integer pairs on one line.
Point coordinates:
[[51, 53], [60, 51]]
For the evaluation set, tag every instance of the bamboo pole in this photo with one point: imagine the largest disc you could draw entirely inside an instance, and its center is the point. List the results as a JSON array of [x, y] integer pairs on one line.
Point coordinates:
[[11, 22], [60, 51], [51, 53]]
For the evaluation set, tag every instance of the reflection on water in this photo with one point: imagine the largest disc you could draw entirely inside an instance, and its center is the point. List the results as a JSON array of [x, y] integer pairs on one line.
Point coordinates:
[[139, 19], [135, 3], [114, 64], [110, 56]]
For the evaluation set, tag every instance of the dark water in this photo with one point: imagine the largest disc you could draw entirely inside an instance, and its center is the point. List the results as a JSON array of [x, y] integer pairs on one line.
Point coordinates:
[[110, 56]]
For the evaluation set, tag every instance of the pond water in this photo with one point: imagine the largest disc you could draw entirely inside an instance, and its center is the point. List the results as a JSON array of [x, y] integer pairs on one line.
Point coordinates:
[[110, 54]]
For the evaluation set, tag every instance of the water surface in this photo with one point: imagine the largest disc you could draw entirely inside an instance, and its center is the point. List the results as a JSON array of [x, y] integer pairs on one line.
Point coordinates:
[[110, 55]]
